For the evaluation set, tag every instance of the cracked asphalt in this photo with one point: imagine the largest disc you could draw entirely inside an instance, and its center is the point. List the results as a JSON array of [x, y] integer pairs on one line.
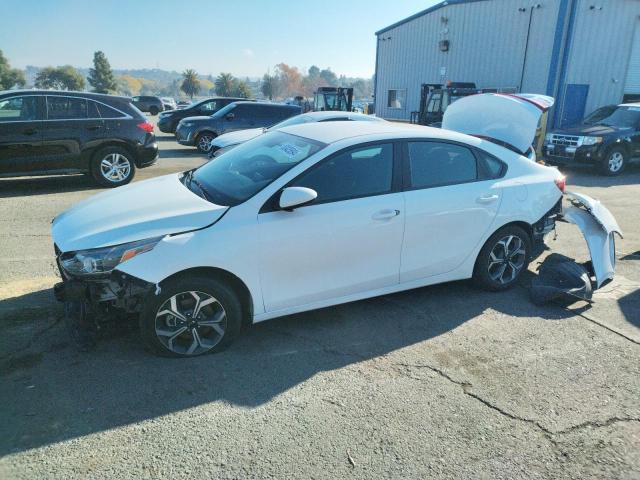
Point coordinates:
[[440, 382]]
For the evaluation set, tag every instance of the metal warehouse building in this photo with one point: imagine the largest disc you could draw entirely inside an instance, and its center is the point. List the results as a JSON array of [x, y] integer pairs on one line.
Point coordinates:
[[585, 53]]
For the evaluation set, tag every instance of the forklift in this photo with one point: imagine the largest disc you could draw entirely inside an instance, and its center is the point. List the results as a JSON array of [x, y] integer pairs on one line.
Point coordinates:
[[333, 99], [435, 98]]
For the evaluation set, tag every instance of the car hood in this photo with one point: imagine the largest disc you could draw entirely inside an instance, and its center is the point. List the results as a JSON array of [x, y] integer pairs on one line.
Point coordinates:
[[146, 209], [594, 130], [239, 136], [509, 119]]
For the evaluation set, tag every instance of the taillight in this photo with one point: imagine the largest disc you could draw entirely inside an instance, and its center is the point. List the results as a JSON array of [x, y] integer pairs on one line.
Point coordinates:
[[146, 126], [561, 182]]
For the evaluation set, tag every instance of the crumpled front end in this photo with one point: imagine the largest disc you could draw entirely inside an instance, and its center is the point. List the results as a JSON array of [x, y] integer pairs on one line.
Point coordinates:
[[559, 275]]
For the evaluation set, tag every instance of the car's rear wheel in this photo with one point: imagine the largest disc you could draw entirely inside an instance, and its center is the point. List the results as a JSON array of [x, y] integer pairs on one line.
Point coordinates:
[[112, 167], [614, 162], [203, 141], [153, 110], [503, 259], [191, 316]]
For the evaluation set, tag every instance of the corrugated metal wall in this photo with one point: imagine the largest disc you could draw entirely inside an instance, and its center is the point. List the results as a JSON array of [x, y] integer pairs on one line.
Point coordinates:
[[601, 47], [487, 44]]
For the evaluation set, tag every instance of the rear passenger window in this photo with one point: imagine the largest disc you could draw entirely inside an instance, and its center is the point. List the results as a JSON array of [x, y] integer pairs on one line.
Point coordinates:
[[433, 164], [489, 167], [361, 172], [66, 108], [108, 112]]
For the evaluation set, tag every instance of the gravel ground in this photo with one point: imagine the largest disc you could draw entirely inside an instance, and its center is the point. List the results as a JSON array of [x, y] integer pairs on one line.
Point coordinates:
[[439, 382]]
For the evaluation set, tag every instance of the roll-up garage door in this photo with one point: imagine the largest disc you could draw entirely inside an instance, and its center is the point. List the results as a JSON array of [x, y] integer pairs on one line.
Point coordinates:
[[632, 83]]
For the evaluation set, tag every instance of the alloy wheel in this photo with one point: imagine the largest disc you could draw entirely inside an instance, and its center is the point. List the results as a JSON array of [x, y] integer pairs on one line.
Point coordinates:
[[507, 259], [616, 160], [190, 323], [204, 143], [115, 167]]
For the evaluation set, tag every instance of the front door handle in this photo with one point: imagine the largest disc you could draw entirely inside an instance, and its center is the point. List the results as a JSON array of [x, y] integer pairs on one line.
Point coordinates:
[[385, 214], [94, 127], [487, 198], [30, 131]]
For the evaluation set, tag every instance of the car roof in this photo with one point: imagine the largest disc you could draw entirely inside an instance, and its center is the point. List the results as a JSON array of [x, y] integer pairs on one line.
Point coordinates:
[[277, 105], [70, 93], [326, 115], [331, 132]]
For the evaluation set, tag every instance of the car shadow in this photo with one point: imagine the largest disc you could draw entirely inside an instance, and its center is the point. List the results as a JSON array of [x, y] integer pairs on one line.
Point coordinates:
[[26, 186], [630, 307], [53, 393]]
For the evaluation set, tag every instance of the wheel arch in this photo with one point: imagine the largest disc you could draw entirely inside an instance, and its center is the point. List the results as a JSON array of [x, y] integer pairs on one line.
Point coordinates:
[[238, 286], [527, 227]]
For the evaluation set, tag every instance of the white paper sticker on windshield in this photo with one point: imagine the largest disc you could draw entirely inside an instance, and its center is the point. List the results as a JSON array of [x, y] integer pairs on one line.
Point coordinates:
[[289, 150]]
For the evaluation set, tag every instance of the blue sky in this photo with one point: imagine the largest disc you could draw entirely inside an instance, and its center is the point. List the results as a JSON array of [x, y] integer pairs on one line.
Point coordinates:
[[245, 37]]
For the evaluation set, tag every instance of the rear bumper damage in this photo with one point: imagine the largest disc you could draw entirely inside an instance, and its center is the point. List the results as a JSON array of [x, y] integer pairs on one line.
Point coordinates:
[[559, 275]]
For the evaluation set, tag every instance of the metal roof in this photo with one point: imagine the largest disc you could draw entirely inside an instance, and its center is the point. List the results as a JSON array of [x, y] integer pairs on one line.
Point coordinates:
[[437, 6]]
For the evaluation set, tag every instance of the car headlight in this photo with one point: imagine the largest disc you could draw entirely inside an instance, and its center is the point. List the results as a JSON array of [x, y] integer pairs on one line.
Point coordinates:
[[591, 140], [98, 261], [548, 137]]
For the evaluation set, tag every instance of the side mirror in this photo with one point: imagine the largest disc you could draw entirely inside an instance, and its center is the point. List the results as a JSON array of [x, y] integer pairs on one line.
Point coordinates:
[[230, 116], [294, 197]]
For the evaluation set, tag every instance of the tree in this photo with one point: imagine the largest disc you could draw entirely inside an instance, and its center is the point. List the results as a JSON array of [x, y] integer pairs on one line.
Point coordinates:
[[190, 83], [290, 79], [241, 89], [100, 76], [225, 84], [9, 77], [329, 77], [60, 78], [269, 86]]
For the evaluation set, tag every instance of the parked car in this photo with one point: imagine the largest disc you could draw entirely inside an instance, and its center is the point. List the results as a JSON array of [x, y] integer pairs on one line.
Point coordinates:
[[230, 140], [50, 132], [608, 139], [145, 103], [200, 131], [314, 215], [183, 104], [168, 121], [169, 103]]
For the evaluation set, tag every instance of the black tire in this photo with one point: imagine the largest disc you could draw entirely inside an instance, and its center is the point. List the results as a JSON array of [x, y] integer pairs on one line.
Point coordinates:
[[487, 268], [115, 156], [614, 162], [224, 313], [153, 111], [203, 141]]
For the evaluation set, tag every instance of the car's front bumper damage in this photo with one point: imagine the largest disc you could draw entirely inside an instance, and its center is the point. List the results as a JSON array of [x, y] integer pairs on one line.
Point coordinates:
[[559, 275]]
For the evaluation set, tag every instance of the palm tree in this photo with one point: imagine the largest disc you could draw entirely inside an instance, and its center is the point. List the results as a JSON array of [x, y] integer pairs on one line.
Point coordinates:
[[190, 83], [225, 84]]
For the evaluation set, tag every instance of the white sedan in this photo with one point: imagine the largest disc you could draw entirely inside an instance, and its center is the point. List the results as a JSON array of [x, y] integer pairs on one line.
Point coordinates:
[[319, 214]]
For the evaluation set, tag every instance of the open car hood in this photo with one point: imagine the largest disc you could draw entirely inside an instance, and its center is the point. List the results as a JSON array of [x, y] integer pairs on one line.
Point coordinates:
[[508, 119]]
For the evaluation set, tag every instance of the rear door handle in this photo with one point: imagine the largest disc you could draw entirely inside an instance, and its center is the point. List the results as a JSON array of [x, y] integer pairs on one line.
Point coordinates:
[[385, 214], [30, 131], [487, 198]]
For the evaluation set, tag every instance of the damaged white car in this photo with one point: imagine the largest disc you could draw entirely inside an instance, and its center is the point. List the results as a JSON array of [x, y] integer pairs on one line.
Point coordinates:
[[315, 215]]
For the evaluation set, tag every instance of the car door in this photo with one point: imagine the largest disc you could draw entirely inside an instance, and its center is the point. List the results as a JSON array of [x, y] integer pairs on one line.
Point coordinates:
[[452, 196], [20, 133], [347, 242], [243, 116], [68, 131]]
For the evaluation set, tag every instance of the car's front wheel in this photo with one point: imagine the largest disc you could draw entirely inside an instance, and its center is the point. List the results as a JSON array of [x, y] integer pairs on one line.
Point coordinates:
[[614, 162], [191, 316], [112, 167], [203, 141], [503, 259], [153, 111]]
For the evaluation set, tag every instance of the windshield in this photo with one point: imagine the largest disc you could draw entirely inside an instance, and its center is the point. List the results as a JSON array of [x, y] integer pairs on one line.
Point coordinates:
[[599, 114], [297, 120], [242, 172], [622, 117], [224, 110]]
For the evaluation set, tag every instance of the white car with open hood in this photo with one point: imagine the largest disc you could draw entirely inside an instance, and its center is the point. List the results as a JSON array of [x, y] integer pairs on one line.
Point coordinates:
[[319, 214]]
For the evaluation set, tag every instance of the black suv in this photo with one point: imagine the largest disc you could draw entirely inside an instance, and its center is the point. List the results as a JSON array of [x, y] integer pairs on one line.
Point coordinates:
[[49, 132], [199, 131], [152, 105], [168, 121], [609, 139]]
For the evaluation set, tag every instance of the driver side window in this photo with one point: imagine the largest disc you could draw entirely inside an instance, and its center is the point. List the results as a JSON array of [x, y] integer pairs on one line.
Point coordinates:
[[356, 173], [208, 108]]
